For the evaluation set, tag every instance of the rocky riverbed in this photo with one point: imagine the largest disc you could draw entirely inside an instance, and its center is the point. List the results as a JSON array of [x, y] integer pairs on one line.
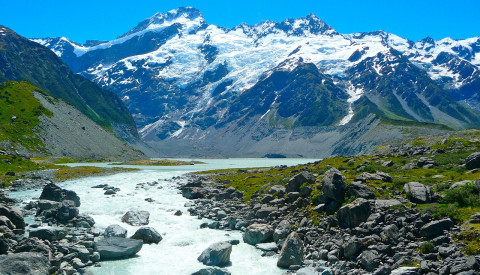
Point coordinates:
[[359, 223]]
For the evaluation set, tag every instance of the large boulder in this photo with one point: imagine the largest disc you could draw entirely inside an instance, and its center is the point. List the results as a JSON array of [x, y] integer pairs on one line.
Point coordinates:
[[473, 161], [24, 263], [435, 228], [53, 192], [333, 186], [49, 234], [417, 192], [217, 254], [14, 215], [353, 214], [115, 248], [115, 230], [136, 217], [281, 231], [356, 189], [148, 235], [298, 180], [292, 251], [258, 233]]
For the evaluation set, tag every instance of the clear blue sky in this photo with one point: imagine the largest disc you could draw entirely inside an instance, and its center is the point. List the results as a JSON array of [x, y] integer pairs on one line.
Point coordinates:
[[108, 19]]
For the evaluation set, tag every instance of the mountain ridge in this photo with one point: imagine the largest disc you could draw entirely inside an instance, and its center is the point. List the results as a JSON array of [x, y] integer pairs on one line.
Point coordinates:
[[183, 77]]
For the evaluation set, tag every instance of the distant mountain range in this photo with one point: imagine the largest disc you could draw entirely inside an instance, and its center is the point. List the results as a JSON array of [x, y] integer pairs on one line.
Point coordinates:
[[296, 87]]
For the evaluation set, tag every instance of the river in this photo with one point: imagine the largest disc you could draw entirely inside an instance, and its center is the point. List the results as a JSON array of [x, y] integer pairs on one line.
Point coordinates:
[[183, 240]]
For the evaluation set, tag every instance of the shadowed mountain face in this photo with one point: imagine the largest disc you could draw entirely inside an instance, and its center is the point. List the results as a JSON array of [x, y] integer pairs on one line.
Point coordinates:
[[183, 79], [22, 59]]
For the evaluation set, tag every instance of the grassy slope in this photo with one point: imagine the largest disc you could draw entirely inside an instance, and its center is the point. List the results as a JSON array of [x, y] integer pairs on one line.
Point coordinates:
[[19, 114], [458, 204]]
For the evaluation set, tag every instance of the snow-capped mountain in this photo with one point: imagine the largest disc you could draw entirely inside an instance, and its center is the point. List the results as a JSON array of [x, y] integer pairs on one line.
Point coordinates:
[[184, 79]]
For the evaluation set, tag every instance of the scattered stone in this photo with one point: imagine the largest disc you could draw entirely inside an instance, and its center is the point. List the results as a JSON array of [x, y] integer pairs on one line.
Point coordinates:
[[418, 192], [110, 192], [460, 184], [298, 180], [217, 254], [14, 215], [148, 235], [292, 252], [115, 248], [281, 231], [178, 213], [356, 189], [115, 230], [473, 161], [435, 228], [136, 217], [258, 233], [353, 214], [333, 186]]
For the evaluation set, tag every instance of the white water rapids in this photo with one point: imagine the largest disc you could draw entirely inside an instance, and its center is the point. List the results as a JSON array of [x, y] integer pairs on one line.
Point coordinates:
[[183, 240]]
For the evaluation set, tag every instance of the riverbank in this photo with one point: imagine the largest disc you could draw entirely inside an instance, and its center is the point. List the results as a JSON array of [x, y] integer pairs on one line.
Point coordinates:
[[409, 209]]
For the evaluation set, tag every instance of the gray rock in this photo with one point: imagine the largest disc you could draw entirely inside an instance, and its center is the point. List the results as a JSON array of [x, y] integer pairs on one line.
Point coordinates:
[[405, 270], [390, 234], [353, 214], [115, 248], [277, 189], [148, 235], [49, 234], [136, 217], [110, 192], [333, 186], [435, 228], [14, 215], [4, 221], [292, 251], [352, 248], [53, 192], [461, 183], [266, 247], [217, 254], [356, 189], [24, 263], [258, 233], [473, 161], [365, 176], [67, 211], [115, 230], [281, 231], [47, 205], [386, 203], [212, 271], [298, 180], [369, 260], [417, 192]]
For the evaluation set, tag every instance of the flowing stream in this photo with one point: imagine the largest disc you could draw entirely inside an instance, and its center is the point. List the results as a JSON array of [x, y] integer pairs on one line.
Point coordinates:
[[183, 240]]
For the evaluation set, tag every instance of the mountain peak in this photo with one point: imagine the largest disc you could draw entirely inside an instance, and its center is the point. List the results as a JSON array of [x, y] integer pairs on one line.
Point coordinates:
[[181, 15]]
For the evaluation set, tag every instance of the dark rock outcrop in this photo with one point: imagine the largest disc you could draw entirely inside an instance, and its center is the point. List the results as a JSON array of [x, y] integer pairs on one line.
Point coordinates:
[[14, 215], [53, 192], [333, 186], [298, 180]]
